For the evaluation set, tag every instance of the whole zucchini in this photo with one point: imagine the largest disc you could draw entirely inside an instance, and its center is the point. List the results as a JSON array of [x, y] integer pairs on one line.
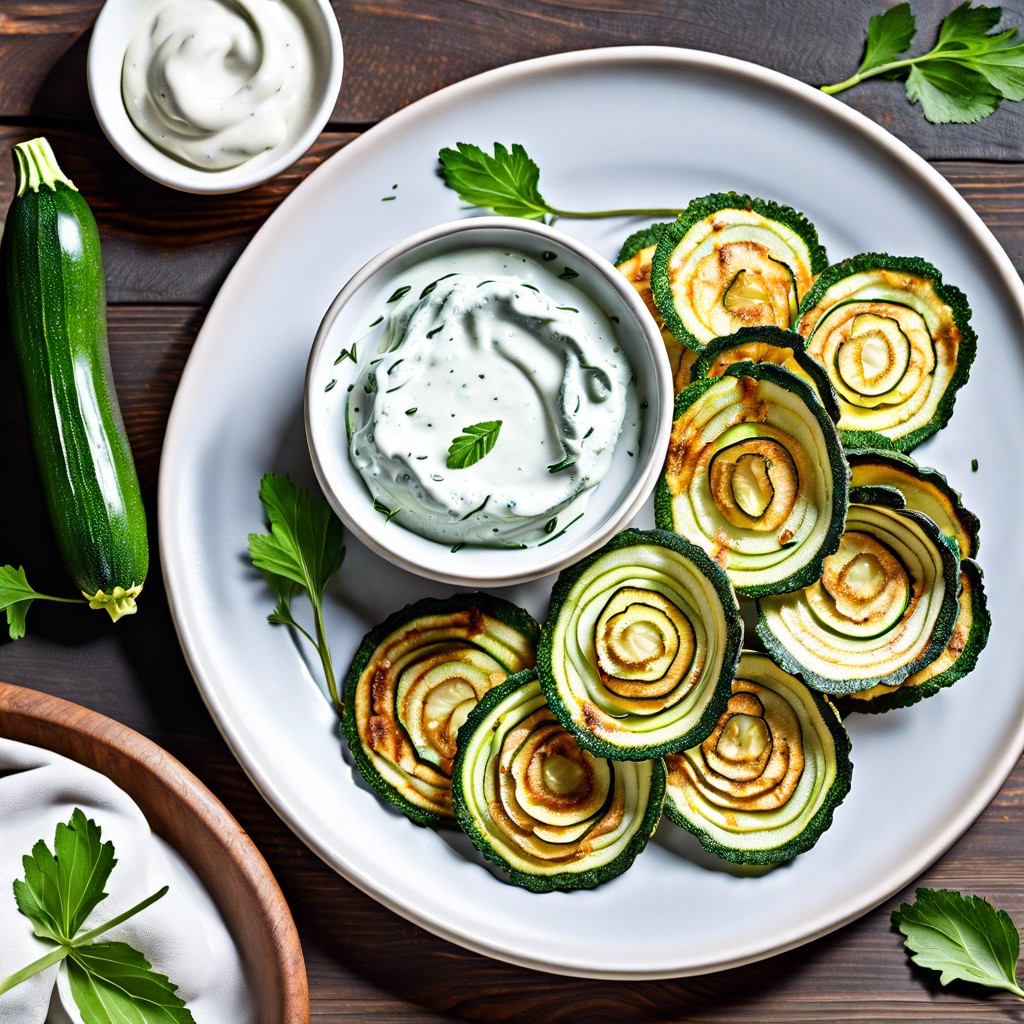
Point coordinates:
[[56, 308]]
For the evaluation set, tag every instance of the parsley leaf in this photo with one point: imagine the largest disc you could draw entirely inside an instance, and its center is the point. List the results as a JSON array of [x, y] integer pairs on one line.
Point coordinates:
[[963, 78], [17, 595], [964, 937], [889, 34], [303, 551], [507, 182], [473, 444], [951, 94], [110, 981]]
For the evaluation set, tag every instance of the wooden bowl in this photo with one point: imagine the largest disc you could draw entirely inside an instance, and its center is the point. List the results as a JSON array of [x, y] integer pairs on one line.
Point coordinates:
[[182, 811]]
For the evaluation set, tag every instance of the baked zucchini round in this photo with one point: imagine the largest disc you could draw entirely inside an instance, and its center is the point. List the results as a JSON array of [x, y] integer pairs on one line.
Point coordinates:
[[733, 261], [970, 634], [755, 475], [640, 646], [413, 682], [767, 345], [925, 490], [764, 785], [895, 341], [883, 609], [550, 814]]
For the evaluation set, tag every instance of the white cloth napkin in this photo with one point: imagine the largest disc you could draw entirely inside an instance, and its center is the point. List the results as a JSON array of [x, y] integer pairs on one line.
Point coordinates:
[[182, 935]]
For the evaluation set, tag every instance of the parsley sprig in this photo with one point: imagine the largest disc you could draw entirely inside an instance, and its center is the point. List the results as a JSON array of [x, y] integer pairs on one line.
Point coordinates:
[[17, 595], [964, 937], [303, 551], [962, 79], [111, 982], [507, 182]]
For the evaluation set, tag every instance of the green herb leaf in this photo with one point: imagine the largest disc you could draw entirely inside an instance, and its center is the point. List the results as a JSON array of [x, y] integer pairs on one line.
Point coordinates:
[[303, 550], [505, 182], [508, 183], [16, 597], [113, 983], [963, 78], [62, 889], [473, 444], [950, 93], [889, 35], [59, 892], [964, 937]]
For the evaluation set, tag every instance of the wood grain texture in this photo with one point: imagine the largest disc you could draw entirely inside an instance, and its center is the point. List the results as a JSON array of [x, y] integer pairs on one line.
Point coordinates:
[[181, 810], [399, 50], [166, 254]]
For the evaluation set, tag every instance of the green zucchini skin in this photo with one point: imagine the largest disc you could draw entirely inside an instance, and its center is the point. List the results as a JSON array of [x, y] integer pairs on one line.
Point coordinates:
[[56, 309]]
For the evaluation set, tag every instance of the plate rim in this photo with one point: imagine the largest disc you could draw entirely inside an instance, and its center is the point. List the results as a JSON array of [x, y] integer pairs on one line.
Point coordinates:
[[684, 59]]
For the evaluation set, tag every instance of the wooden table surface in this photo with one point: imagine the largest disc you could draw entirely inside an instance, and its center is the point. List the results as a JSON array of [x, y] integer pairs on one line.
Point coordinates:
[[165, 256]]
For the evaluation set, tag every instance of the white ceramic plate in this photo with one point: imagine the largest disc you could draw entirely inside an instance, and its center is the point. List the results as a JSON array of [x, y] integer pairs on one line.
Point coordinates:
[[645, 126]]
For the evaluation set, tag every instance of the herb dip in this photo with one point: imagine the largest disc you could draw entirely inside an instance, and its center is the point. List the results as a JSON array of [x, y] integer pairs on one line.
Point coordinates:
[[214, 83], [491, 402]]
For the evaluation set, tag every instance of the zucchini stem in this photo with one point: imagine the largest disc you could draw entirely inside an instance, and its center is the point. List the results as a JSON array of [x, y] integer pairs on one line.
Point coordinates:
[[35, 166]]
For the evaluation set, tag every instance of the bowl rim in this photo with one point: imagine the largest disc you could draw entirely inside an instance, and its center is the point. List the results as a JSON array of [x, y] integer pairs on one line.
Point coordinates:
[[105, 58], [645, 477], [104, 745]]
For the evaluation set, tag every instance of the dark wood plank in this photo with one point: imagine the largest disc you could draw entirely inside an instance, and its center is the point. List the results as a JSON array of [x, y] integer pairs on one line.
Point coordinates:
[[400, 50]]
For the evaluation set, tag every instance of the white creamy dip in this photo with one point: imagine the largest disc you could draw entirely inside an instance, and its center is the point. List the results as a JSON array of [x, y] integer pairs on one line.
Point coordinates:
[[512, 355], [214, 83]]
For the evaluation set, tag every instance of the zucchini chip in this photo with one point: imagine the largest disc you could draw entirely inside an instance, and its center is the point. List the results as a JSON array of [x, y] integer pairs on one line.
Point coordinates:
[[634, 262], [896, 342], [640, 646], [767, 345], [755, 475], [414, 681], [883, 609], [970, 634], [547, 812], [764, 785], [731, 261], [925, 490]]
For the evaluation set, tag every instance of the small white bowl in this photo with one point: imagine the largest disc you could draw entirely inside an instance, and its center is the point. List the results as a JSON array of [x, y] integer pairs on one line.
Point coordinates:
[[615, 500], [118, 22]]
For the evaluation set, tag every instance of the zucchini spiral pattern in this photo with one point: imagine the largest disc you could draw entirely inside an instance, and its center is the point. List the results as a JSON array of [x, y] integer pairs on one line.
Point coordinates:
[[895, 341], [412, 684], [551, 814], [640, 646], [755, 475], [763, 786]]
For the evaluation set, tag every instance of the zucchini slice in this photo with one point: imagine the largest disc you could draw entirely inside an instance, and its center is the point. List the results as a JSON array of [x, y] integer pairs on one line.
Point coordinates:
[[413, 682], [970, 634], [553, 816], [896, 342], [640, 646], [767, 345], [925, 490], [764, 785], [634, 263], [732, 261], [883, 609], [755, 475]]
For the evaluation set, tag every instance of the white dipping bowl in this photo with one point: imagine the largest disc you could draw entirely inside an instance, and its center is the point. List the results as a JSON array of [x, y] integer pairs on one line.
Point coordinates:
[[613, 502], [118, 22]]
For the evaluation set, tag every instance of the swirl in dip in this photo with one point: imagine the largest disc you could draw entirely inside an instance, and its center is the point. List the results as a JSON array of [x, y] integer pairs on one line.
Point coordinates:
[[214, 83], [492, 402]]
